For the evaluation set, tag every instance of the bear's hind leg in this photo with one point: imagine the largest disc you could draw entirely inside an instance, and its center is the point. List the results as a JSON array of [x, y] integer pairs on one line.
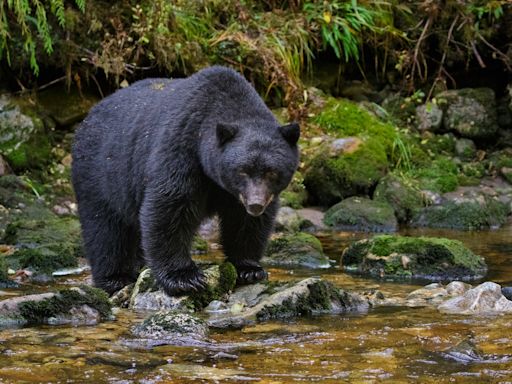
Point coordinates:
[[110, 246]]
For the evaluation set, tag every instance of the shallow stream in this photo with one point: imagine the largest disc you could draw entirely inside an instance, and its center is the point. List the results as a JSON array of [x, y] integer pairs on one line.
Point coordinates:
[[394, 345]]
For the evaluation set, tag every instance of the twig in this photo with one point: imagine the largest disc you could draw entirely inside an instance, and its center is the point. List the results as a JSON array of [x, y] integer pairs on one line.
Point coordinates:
[[505, 58], [443, 58], [477, 55], [44, 86], [417, 48]]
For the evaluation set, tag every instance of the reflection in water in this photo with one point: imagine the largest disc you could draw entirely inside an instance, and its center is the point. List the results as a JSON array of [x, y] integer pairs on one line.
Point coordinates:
[[395, 345]]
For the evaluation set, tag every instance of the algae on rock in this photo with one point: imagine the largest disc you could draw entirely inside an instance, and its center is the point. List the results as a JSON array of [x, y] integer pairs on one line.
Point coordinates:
[[421, 257], [362, 214]]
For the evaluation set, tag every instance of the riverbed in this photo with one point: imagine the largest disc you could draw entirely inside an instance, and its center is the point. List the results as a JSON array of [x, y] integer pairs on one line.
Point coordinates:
[[386, 344]]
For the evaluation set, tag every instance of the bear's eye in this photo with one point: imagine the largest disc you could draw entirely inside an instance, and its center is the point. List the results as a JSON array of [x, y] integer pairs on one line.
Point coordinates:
[[243, 174]]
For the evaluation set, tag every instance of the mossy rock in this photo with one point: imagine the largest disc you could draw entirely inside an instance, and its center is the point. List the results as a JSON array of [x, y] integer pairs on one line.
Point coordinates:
[[4, 277], [199, 245], [220, 281], [23, 140], [295, 195], [66, 306], [413, 257], [332, 175], [471, 112], [479, 213], [440, 176], [361, 214], [44, 246], [436, 145], [403, 194], [296, 250]]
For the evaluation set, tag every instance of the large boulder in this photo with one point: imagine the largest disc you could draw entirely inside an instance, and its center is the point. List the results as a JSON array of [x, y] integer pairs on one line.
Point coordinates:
[[485, 299], [471, 112], [419, 257], [361, 214], [354, 156], [429, 117]]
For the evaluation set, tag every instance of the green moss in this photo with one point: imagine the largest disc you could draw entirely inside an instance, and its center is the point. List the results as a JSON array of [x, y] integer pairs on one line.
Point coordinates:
[[437, 145], [441, 176], [39, 311], [362, 214], [218, 286], [465, 215], [295, 194], [199, 245], [3, 270], [296, 240], [413, 256], [320, 297], [46, 259], [331, 178], [346, 118], [402, 193]]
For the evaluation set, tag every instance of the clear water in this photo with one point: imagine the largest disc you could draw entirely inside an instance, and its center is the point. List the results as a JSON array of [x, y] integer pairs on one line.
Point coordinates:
[[386, 345]]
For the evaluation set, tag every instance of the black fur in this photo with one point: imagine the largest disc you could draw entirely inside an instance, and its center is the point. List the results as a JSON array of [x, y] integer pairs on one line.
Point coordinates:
[[154, 159]]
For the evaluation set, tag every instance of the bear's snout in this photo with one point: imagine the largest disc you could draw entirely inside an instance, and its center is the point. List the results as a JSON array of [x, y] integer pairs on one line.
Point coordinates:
[[256, 197]]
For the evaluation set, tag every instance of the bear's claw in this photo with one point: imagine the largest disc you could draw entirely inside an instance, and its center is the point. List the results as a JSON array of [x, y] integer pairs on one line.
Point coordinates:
[[183, 282], [249, 275]]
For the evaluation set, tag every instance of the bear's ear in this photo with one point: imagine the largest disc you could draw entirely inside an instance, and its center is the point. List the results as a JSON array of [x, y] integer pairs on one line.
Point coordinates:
[[290, 132], [225, 132]]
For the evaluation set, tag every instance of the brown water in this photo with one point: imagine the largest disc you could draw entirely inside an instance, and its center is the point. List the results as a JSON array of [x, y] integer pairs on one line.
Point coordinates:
[[391, 345]]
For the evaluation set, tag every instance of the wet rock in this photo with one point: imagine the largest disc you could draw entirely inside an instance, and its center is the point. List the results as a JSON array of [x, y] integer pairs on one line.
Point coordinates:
[[470, 112], [296, 250], [465, 149], [507, 292], [361, 214], [407, 200], [429, 117], [289, 300], [146, 294], [289, 220], [23, 141], [423, 257], [431, 294], [314, 216], [485, 299], [172, 326], [82, 305], [464, 352], [464, 211]]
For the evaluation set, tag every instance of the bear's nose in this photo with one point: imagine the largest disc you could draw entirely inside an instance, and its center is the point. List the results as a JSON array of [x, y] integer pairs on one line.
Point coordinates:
[[255, 209]]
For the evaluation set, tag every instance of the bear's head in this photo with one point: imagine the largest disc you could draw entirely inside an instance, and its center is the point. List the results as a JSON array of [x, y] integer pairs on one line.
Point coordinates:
[[254, 162]]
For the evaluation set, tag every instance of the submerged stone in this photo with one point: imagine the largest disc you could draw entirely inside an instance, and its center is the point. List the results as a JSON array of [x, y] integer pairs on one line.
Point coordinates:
[[420, 257], [296, 250], [361, 214], [171, 325]]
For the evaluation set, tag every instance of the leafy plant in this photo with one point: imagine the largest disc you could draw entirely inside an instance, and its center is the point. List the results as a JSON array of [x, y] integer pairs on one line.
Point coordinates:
[[30, 19]]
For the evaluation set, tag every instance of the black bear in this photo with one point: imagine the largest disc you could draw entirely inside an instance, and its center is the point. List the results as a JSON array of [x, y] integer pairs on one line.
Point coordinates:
[[154, 159]]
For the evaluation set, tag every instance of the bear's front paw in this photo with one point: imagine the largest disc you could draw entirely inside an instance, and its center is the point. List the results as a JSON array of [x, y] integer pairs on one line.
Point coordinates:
[[183, 281], [250, 274]]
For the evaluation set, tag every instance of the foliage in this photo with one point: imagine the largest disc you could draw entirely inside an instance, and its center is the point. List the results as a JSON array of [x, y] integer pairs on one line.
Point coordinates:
[[30, 18]]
